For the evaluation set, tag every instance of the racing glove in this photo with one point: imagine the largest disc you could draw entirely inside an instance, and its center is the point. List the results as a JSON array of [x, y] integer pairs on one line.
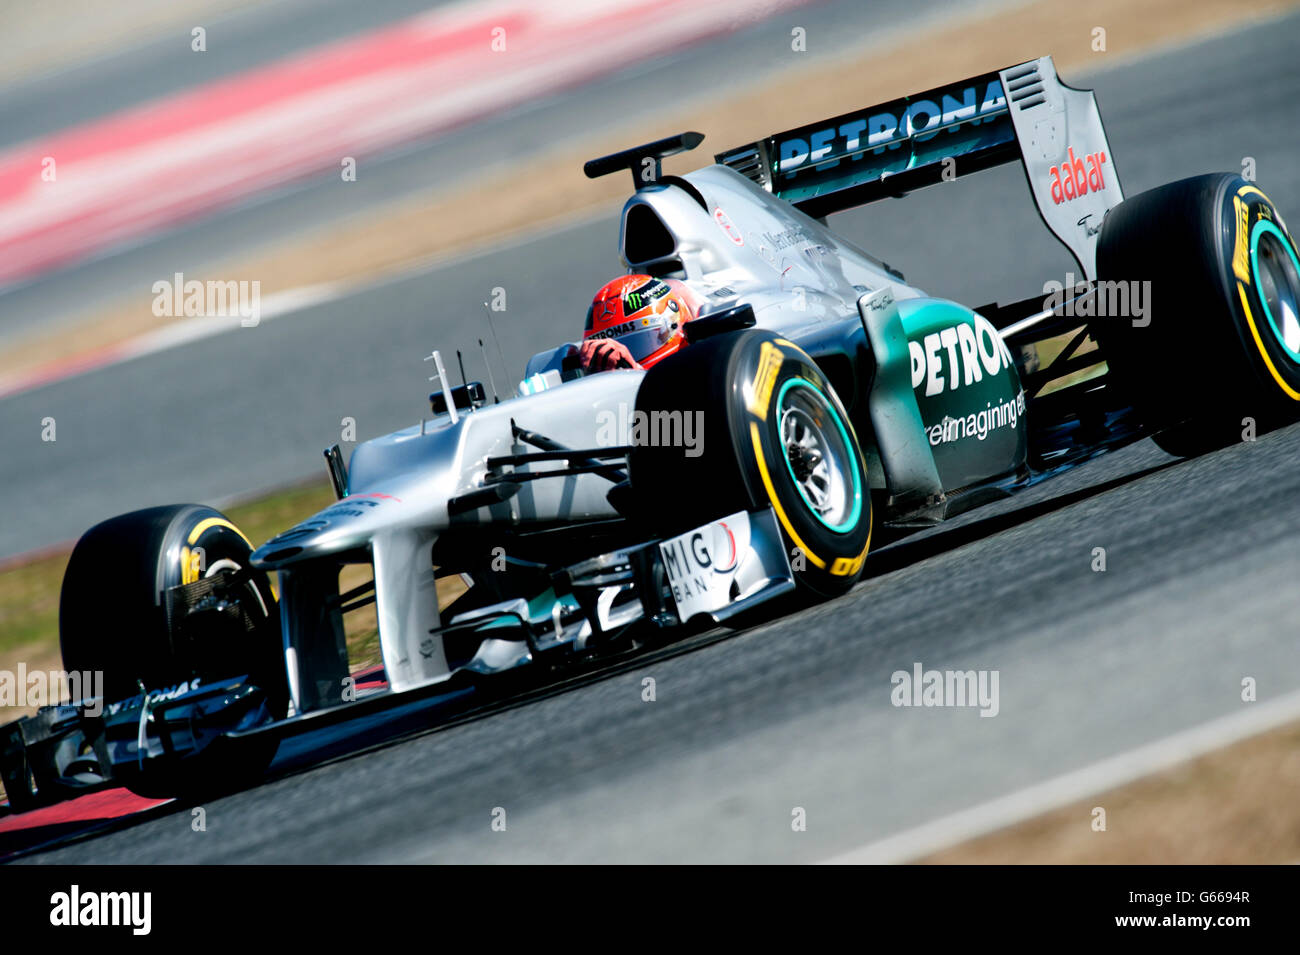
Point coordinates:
[[605, 354]]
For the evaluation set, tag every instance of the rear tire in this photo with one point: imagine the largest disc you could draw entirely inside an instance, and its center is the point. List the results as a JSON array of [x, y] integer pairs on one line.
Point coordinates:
[[1223, 340], [113, 619], [773, 433]]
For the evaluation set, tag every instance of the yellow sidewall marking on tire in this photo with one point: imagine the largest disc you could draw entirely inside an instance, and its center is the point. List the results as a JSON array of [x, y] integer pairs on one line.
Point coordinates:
[[1259, 344], [1273, 213], [1241, 248], [770, 359], [1242, 252], [776, 503], [847, 566], [208, 522], [190, 568]]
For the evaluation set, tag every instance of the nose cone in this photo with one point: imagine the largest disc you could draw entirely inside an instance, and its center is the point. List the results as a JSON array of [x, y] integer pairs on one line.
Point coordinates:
[[344, 525]]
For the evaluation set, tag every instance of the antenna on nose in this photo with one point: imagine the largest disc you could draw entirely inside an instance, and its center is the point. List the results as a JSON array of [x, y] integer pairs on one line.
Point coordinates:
[[488, 365], [496, 341]]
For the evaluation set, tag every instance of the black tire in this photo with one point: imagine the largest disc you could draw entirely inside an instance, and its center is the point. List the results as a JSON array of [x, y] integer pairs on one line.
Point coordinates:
[[113, 618], [1224, 272], [744, 387]]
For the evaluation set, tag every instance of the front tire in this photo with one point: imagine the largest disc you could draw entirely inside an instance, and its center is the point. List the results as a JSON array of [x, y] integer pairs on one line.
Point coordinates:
[[773, 433], [113, 618]]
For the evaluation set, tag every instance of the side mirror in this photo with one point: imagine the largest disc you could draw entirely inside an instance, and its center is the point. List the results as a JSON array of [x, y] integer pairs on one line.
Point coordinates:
[[730, 319]]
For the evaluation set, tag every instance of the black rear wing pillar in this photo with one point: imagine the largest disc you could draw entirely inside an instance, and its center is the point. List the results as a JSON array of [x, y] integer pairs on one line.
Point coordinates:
[[1023, 112]]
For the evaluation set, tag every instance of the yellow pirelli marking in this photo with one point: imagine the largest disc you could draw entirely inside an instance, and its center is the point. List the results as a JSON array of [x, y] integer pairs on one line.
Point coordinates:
[[1267, 211], [776, 502], [1241, 251], [844, 566], [1259, 344], [769, 366], [847, 566], [190, 565], [208, 522]]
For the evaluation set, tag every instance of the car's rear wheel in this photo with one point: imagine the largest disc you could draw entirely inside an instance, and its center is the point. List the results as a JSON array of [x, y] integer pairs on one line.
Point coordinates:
[[114, 618], [1218, 354], [771, 432]]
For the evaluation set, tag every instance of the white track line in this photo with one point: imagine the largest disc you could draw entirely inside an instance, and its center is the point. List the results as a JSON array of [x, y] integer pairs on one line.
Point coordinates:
[[1255, 718]]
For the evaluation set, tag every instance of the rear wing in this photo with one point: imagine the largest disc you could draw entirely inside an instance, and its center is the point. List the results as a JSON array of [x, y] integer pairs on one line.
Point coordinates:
[[1023, 112]]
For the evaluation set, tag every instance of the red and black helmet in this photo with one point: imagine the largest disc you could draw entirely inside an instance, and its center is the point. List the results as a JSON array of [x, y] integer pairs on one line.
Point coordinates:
[[643, 313]]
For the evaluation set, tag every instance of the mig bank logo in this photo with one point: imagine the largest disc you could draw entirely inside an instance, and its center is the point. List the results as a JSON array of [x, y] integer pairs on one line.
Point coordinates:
[[700, 560]]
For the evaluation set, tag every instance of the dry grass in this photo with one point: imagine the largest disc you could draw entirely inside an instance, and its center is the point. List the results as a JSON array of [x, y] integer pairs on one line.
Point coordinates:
[[29, 606]]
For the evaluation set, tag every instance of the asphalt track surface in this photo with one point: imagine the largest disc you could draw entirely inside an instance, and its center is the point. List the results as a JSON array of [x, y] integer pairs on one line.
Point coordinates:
[[1198, 592]]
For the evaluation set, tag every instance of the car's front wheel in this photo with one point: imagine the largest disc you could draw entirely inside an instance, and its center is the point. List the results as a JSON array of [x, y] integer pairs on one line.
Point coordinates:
[[769, 431], [115, 618]]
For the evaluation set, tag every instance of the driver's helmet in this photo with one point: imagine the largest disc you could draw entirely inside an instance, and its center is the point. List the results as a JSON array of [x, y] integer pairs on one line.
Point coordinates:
[[643, 313]]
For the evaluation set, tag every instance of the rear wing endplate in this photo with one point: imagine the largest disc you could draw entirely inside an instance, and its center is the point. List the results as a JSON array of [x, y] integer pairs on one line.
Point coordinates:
[[1022, 112]]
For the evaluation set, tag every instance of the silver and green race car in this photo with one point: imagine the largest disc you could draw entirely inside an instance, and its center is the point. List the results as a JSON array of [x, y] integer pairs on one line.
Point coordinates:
[[822, 406]]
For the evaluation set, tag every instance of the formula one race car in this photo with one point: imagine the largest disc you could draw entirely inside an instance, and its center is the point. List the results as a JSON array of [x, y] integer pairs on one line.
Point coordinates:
[[822, 401]]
